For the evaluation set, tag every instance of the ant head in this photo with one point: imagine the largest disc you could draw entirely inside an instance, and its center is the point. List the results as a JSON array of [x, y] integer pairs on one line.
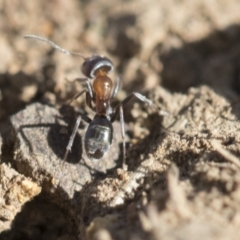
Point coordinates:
[[94, 63]]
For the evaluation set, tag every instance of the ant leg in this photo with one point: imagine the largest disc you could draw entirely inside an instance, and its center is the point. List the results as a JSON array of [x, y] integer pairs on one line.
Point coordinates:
[[89, 86], [85, 118], [89, 101], [124, 166], [70, 143], [119, 111], [89, 92], [127, 100], [77, 96], [141, 98], [74, 132], [88, 98], [117, 86]]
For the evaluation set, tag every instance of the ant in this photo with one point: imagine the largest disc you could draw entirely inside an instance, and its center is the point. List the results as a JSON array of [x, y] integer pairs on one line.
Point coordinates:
[[100, 91]]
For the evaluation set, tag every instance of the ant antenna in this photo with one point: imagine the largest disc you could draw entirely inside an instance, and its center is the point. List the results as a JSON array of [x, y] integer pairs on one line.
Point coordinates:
[[54, 45]]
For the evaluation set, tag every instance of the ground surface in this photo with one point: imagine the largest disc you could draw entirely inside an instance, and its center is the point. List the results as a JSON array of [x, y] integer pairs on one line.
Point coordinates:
[[183, 169]]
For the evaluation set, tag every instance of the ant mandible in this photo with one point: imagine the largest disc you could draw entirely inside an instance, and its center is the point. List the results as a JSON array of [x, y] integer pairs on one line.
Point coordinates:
[[99, 134]]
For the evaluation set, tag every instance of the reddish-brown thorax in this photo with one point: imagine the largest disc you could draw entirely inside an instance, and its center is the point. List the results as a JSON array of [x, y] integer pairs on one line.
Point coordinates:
[[102, 87]]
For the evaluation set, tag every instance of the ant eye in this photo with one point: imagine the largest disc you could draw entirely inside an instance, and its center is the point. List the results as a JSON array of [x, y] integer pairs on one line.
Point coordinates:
[[94, 63]]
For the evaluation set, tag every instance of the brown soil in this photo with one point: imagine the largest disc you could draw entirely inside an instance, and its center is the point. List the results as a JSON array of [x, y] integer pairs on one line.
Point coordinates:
[[183, 169]]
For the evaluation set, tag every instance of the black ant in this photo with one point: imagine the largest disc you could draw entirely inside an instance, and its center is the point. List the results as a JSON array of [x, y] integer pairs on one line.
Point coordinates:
[[99, 92]]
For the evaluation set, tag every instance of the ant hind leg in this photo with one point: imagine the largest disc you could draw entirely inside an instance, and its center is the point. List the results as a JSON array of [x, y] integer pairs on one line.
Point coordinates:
[[71, 140]]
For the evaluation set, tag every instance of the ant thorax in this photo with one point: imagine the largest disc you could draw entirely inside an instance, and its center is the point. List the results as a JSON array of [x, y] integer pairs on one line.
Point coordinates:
[[102, 88]]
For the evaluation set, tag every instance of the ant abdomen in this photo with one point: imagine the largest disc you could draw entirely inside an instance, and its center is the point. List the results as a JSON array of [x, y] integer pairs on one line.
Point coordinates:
[[98, 137]]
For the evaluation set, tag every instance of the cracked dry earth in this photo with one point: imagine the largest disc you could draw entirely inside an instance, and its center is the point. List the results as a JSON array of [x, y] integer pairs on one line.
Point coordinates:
[[186, 179]]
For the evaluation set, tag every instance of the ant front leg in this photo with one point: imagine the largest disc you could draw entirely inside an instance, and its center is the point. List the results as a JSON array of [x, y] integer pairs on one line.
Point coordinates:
[[77, 96], [116, 88], [88, 91]]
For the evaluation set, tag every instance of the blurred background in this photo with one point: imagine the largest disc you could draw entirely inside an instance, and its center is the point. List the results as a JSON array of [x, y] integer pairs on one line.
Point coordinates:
[[175, 44]]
